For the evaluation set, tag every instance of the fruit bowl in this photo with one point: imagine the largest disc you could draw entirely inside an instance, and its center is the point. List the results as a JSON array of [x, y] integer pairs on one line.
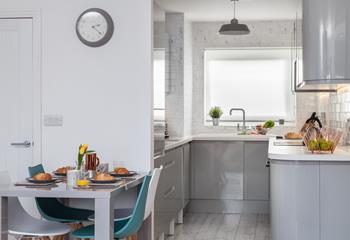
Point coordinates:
[[322, 141]]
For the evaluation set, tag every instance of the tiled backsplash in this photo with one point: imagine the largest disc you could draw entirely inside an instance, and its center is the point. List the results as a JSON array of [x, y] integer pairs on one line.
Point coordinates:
[[336, 108]]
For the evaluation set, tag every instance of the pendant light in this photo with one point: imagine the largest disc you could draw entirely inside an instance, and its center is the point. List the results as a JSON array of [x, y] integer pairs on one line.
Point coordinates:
[[234, 28]]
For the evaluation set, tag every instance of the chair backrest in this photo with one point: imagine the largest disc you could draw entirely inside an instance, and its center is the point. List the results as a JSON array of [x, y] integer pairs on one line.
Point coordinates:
[[47, 207], [136, 221], [152, 190], [35, 170]]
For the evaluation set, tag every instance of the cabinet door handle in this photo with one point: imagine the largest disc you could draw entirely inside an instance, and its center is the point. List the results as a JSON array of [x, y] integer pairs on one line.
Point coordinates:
[[268, 163], [169, 164], [169, 191]]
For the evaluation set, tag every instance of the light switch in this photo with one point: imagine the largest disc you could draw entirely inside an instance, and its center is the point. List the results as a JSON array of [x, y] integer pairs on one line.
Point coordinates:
[[53, 120]]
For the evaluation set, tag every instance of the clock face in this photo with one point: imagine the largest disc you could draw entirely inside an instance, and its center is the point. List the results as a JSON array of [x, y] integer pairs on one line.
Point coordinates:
[[94, 27]]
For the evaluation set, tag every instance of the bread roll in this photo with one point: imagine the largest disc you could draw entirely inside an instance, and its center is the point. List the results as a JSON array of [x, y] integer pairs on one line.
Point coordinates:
[[42, 176], [121, 171], [293, 135], [104, 177]]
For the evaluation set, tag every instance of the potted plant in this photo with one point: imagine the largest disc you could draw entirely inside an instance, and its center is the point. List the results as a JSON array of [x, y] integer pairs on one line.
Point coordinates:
[[215, 113]]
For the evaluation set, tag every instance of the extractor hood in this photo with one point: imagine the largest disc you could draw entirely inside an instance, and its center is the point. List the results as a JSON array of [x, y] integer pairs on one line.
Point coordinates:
[[326, 44]]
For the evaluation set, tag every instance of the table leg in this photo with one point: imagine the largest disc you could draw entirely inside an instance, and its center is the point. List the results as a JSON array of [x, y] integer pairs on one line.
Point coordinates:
[[104, 219], [3, 218]]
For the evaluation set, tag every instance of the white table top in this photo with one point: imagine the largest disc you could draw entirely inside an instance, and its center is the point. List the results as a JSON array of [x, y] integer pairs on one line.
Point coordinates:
[[300, 153], [61, 190]]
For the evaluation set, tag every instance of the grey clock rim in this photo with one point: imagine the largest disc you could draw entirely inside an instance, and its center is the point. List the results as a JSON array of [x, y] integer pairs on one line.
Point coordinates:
[[109, 33]]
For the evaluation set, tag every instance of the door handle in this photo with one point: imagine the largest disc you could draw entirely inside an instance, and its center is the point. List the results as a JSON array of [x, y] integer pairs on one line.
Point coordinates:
[[26, 144]]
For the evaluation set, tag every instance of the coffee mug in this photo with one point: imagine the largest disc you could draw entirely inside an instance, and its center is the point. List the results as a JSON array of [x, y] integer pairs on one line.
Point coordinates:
[[91, 161]]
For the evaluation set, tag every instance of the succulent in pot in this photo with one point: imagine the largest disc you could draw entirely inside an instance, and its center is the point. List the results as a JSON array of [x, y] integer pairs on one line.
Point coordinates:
[[215, 113]]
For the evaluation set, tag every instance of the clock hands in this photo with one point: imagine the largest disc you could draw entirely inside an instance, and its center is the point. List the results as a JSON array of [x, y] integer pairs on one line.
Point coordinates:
[[94, 27]]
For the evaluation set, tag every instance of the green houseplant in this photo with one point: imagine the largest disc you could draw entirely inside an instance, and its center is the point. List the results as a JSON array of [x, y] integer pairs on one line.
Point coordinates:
[[215, 113]]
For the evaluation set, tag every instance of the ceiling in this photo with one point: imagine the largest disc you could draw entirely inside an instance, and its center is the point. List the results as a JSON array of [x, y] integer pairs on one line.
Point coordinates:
[[222, 10]]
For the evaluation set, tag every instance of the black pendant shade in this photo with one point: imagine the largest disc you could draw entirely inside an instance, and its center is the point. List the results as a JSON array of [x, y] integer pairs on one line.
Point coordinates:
[[234, 28]]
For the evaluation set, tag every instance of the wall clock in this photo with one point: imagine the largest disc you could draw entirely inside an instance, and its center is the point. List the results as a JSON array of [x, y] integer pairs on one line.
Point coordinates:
[[94, 27]]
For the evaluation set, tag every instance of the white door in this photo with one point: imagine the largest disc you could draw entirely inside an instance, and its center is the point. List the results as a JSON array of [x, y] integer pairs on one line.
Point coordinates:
[[16, 96]]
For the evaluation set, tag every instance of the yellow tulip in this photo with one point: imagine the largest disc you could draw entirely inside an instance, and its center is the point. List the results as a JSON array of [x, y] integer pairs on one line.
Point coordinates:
[[83, 149]]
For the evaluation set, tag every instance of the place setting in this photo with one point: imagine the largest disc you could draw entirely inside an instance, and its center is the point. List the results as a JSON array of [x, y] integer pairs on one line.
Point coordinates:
[[39, 180], [90, 172]]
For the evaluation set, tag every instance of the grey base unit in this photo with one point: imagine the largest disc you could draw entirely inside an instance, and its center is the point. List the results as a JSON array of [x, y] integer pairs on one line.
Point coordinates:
[[186, 174], [256, 174], [169, 197], [229, 176], [217, 170]]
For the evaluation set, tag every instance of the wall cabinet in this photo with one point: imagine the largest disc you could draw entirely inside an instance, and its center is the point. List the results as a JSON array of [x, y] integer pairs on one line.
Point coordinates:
[[217, 170], [256, 174]]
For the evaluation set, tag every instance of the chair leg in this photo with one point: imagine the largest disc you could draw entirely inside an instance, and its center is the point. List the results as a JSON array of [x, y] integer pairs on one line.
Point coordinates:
[[76, 226], [132, 237], [62, 237]]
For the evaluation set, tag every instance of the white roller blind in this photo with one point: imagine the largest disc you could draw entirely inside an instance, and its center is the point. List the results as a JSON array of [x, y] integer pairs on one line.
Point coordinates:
[[257, 80]]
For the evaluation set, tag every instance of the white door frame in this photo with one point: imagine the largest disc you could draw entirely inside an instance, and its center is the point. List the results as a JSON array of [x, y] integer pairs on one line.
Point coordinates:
[[37, 75]]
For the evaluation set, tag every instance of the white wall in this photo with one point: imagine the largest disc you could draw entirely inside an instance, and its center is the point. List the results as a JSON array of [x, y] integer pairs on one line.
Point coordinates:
[[104, 94]]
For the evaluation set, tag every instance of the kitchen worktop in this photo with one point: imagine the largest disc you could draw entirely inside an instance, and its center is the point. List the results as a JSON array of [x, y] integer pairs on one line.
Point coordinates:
[[174, 143], [300, 153]]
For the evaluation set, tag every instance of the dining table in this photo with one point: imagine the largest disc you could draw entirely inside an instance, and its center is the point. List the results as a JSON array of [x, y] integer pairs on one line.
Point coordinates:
[[104, 197]]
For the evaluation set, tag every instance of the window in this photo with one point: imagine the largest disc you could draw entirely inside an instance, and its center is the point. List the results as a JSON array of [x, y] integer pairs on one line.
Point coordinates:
[[159, 83], [257, 80]]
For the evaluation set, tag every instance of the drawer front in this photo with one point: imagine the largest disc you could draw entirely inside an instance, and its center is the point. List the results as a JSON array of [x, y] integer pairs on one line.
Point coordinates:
[[169, 198]]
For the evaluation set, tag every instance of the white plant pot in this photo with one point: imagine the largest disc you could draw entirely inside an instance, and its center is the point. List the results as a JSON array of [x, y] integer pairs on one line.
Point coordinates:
[[216, 121]]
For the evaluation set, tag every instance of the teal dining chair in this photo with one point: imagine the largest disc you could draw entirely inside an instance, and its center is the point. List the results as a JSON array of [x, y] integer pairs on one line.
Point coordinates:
[[53, 210], [123, 227]]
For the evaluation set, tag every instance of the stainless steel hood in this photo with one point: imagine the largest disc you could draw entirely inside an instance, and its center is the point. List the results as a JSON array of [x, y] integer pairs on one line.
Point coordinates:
[[326, 44]]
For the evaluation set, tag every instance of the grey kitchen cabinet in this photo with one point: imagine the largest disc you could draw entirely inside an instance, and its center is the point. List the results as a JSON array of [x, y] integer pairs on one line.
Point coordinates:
[[334, 201], [186, 174], [256, 174], [169, 196], [217, 170]]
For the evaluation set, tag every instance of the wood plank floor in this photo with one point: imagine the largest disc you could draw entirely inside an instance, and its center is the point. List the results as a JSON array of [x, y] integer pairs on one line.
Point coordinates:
[[223, 227]]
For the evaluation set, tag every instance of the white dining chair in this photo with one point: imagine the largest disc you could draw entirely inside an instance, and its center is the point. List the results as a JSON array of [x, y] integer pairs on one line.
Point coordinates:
[[22, 224], [152, 190]]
